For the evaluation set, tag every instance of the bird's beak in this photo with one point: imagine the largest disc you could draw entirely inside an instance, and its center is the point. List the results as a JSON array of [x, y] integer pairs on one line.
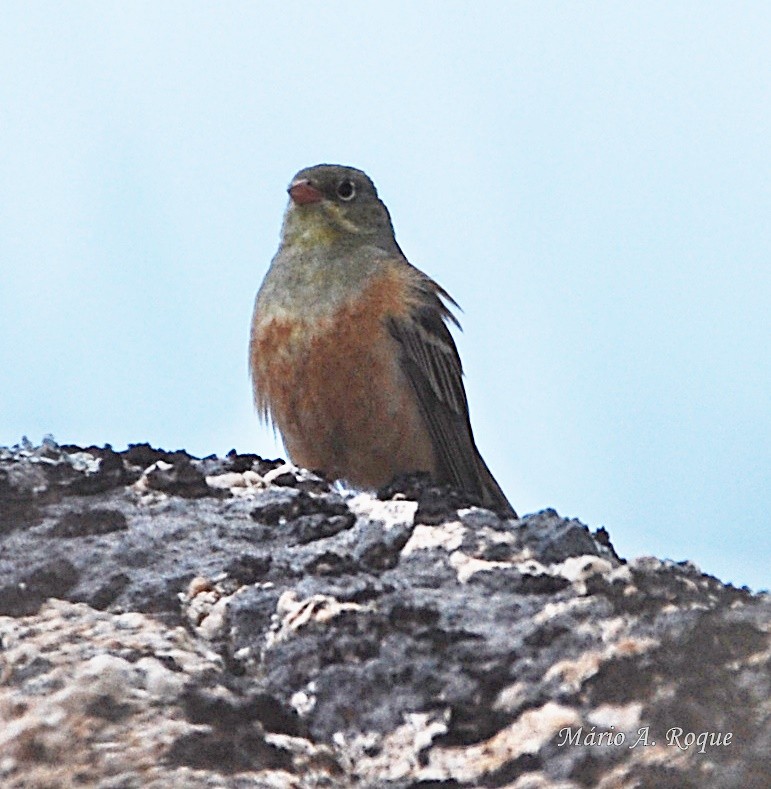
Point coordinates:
[[303, 192]]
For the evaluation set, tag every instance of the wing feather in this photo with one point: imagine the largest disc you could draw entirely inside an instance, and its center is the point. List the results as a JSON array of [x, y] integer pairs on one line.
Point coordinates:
[[432, 365]]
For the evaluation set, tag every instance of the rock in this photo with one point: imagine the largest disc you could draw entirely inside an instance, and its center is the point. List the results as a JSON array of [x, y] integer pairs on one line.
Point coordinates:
[[239, 622]]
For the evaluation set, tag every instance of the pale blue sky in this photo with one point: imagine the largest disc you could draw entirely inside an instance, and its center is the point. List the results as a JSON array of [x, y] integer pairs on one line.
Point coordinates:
[[590, 181]]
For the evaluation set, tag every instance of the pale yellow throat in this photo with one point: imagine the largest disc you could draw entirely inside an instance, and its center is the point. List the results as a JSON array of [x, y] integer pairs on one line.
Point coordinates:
[[324, 225]]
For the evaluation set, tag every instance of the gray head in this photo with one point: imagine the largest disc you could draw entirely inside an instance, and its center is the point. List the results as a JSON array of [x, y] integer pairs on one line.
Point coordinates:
[[331, 203]]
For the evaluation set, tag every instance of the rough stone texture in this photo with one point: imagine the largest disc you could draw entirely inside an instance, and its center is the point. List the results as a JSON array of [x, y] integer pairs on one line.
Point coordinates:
[[235, 622]]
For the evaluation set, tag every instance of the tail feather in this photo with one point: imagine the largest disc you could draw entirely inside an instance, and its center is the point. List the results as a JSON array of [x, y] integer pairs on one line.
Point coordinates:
[[492, 494]]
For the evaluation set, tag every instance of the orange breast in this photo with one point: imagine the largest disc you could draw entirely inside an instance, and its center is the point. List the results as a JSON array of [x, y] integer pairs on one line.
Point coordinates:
[[335, 388]]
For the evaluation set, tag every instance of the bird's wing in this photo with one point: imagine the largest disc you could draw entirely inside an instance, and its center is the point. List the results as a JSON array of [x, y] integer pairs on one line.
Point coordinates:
[[432, 365]]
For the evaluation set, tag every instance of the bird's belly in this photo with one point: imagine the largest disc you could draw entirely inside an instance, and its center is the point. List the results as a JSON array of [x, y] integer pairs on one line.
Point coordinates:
[[336, 391]]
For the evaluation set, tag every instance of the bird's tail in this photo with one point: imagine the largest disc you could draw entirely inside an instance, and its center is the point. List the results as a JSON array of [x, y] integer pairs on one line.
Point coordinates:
[[493, 496]]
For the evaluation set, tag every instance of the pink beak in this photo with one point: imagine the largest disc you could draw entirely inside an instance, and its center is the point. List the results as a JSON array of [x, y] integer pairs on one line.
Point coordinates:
[[303, 193]]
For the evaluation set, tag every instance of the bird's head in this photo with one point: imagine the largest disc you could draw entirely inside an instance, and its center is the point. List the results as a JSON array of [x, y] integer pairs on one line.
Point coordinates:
[[332, 204]]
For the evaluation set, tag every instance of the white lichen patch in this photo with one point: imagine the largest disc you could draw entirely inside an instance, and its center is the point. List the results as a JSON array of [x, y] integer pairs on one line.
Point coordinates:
[[572, 673], [302, 476], [396, 755], [389, 513], [303, 701], [580, 568], [510, 697], [561, 608], [83, 461], [294, 613], [448, 536], [205, 606], [142, 486], [622, 717], [526, 735], [466, 566], [246, 483]]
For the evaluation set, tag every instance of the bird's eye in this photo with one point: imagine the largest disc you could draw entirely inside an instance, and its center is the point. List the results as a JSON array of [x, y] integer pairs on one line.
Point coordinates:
[[346, 190]]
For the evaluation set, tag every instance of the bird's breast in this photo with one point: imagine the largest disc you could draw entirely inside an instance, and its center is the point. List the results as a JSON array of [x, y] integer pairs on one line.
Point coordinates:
[[335, 388]]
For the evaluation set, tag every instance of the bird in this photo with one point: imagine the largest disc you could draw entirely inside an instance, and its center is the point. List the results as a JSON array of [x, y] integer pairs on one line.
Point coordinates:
[[350, 353]]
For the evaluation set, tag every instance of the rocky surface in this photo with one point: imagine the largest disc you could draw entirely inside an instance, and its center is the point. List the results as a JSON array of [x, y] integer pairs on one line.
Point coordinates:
[[167, 621]]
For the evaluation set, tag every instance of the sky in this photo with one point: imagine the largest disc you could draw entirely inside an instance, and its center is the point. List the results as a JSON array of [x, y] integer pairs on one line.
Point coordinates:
[[591, 182]]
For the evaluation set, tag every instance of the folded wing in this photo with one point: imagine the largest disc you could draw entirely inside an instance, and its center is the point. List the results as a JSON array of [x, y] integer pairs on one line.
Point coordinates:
[[432, 365]]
